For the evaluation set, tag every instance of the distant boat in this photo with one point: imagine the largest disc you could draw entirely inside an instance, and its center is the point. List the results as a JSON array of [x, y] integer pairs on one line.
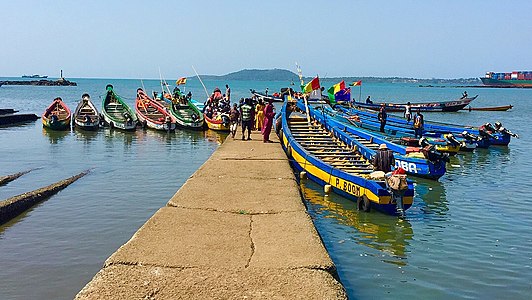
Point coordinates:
[[86, 115], [35, 76], [443, 106], [490, 108], [57, 115], [274, 98], [522, 79]]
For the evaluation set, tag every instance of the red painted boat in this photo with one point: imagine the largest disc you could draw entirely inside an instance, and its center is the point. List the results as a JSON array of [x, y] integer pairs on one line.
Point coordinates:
[[152, 114]]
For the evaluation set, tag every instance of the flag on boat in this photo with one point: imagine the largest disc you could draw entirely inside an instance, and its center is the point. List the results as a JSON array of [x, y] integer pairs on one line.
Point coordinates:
[[181, 81], [338, 92], [356, 83], [314, 84]]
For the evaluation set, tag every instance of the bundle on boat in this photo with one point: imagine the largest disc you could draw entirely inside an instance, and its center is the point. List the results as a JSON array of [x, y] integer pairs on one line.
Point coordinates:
[[327, 161]]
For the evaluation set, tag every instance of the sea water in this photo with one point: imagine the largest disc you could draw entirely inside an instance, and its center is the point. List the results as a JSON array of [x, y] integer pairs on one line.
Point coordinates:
[[467, 235]]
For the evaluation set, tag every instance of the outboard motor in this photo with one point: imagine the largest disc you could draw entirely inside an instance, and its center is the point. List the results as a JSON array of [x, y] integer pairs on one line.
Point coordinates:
[[469, 136], [430, 151], [451, 139], [499, 128], [486, 131]]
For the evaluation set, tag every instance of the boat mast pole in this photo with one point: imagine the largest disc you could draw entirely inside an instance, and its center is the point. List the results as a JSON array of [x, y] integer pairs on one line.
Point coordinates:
[[206, 93], [300, 74]]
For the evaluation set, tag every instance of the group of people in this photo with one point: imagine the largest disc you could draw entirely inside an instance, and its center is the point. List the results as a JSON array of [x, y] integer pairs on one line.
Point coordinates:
[[217, 104], [418, 120], [252, 114]]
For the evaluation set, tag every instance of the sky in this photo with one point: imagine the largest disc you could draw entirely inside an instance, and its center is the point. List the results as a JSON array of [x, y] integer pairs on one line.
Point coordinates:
[[133, 39]]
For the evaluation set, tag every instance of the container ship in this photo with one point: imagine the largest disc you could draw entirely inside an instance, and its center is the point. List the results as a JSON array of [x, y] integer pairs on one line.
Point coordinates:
[[522, 79]]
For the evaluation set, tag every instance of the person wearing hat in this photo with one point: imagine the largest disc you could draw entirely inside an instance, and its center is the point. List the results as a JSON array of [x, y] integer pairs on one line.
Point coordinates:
[[383, 159]]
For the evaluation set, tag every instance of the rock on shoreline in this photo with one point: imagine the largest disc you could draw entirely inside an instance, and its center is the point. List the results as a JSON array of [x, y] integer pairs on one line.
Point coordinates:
[[42, 82]]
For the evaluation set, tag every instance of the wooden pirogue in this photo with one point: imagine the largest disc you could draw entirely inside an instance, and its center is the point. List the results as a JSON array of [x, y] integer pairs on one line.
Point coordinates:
[[415, 161], [328, 162], [57, 116], [86, 115], [116, 113], [151, 114]]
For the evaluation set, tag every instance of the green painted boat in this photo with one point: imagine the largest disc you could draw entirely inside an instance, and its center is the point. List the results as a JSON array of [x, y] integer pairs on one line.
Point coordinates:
[[187, 115], [116, 113], [182, 108]]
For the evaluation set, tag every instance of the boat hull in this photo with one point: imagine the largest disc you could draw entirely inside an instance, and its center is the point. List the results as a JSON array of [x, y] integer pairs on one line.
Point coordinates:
[[217, 125], [116, 113], [348, 185], [444, 106], [411, 160], [152, 114], [265, 97], [86, 108], [492, 108], [509, 83], [57, 116], [185, 116]]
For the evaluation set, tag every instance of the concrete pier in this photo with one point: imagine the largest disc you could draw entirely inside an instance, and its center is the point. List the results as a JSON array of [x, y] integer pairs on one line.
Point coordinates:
[[236, 229]]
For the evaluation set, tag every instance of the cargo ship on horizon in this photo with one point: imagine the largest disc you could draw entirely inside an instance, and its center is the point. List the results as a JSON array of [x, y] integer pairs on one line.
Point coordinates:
[[35, 76], [518, 79]]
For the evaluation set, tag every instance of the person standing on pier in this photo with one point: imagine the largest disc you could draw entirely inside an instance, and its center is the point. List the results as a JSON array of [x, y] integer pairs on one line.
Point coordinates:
[[419, 123], [408, 112], [234, 115], [246, 113], [259, 115], [228, 93], [269, 114], [382, 117]]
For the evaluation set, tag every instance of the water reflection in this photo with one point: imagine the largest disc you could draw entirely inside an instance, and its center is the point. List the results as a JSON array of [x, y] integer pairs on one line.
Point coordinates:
[[387, 234], [215, 136], [86, 136], [112, 135], [55, 136], [434, 198]]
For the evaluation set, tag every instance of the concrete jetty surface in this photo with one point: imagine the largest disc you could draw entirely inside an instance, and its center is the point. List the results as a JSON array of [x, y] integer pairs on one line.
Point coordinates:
[[236, 229]]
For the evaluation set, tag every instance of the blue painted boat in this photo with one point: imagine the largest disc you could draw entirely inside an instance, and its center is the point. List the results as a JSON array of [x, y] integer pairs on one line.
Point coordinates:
[[326, 161], [491, 136], [402, 135], [413, 160]]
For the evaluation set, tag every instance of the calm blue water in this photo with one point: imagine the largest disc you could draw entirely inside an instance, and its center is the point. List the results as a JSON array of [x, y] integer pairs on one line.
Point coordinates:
[[467, 236]]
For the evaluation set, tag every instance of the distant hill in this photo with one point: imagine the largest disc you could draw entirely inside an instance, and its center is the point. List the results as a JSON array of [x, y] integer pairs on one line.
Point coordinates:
[[289, 76], [257, 75]]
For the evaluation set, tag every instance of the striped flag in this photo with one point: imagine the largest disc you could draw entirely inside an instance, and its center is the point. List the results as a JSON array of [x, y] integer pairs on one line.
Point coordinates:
[[181, 81], [314, 84], [356, 83]]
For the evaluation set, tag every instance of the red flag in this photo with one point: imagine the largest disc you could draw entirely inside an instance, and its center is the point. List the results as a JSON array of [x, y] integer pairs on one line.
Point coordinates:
[[314, 84], [356, 83]]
